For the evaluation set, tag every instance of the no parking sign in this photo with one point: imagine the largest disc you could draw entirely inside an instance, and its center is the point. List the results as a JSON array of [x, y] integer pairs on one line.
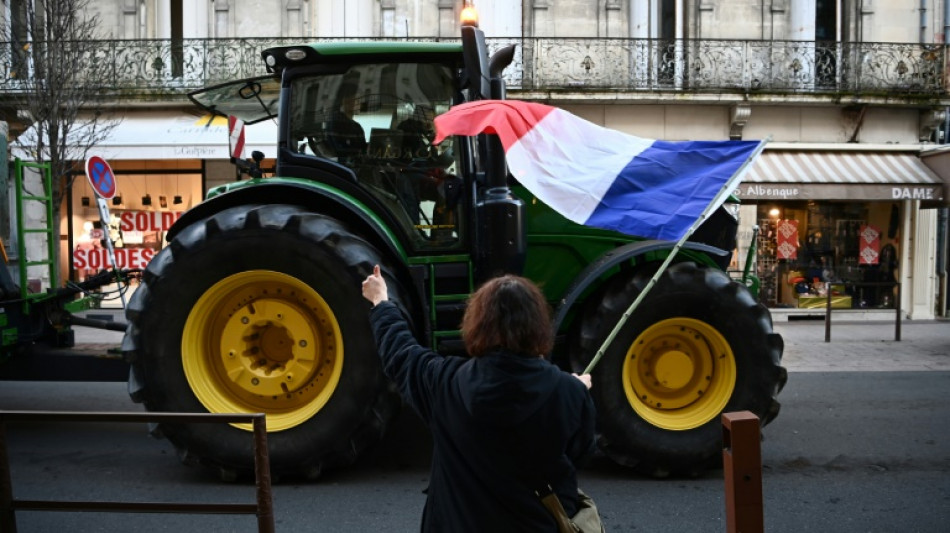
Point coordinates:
[[100, 177]]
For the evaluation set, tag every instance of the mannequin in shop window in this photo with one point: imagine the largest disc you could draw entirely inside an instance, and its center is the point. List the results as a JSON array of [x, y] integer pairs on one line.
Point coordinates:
[[885, 271]]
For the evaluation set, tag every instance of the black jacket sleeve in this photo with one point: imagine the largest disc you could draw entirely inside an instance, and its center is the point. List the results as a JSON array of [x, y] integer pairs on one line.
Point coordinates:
[[414, 368], [583, 444]]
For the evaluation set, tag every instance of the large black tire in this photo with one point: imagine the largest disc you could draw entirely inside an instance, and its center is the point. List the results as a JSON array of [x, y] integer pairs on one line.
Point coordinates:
[[258, 309], [698, 345]]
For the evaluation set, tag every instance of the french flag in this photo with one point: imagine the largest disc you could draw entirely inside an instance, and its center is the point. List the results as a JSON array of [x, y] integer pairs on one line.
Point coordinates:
[[601, 177]]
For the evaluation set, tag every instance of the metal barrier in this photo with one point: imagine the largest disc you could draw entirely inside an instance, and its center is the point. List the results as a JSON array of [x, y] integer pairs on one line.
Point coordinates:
[[263, 508], [897, 306]]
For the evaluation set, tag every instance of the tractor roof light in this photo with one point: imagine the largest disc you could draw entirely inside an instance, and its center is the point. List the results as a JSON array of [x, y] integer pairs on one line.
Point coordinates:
[[469, 15], [295, 54]]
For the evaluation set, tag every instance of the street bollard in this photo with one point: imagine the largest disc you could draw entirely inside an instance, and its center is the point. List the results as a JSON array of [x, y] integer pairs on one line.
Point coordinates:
[[7, 515], [742, 467], [265, 497]]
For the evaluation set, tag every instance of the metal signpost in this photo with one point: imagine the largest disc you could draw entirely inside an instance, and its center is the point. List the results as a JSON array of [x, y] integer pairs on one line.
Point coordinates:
[[102, 179]]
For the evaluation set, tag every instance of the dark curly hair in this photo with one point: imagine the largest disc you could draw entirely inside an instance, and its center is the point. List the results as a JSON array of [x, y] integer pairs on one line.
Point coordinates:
[[508, 313]]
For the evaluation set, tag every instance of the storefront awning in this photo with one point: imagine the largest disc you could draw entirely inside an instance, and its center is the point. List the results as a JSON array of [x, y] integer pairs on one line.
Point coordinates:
[[167, 136], [863, 176], [938, 160]]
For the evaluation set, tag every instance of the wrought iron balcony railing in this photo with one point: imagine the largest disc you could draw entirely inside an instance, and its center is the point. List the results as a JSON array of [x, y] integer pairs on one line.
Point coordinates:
[[744, 66], [164, 68]]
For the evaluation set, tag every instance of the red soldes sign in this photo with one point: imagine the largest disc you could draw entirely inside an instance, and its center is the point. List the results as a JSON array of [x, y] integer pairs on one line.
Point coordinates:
[[96, 258], [147, 221], [786, 239], [869, 245], [91, 256]]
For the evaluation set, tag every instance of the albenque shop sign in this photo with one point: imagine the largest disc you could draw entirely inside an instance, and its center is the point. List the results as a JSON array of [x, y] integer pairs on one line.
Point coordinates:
[[835, 191]]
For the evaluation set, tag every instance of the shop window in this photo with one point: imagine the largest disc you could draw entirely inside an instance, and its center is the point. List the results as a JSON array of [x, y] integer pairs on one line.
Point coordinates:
[[132, 20], [807, 249], [137, 229]]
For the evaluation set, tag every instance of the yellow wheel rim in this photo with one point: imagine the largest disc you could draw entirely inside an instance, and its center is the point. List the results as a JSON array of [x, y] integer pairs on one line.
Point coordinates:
[[262, 341], [679, 374]]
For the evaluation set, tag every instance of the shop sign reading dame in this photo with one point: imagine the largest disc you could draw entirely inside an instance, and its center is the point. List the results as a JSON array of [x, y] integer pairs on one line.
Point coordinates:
[[838, 191]]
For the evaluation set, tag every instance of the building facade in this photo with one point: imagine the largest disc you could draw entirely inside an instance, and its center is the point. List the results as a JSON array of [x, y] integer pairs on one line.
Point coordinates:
[[849, 195]]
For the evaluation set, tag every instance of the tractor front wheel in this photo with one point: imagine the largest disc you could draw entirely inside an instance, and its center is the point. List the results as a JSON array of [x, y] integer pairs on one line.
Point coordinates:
[[258, 309]]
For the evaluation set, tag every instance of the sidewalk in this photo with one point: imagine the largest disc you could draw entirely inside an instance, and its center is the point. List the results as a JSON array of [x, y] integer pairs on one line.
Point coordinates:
[[865, 346]]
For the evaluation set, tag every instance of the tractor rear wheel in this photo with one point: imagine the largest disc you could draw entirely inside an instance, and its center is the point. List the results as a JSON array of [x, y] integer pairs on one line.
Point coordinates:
[[698, 345], [258, 309]]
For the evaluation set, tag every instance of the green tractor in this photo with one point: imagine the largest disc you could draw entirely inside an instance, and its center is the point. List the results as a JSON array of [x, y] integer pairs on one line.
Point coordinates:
[[255, 305]]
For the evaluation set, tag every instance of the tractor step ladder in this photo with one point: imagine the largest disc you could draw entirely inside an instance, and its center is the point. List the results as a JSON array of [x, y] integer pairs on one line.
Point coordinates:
[[39, 194], [450, 282]]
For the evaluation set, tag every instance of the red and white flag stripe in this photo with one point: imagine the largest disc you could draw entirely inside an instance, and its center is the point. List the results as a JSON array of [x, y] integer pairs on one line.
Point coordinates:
[[236, 136], [602, 177]]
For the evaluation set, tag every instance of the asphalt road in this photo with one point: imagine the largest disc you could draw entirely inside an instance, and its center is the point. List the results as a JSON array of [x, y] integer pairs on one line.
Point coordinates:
[[851, 451]]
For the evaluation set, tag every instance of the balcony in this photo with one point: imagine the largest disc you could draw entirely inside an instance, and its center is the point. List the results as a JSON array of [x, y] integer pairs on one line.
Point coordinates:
[[552, 68], [790, 70]]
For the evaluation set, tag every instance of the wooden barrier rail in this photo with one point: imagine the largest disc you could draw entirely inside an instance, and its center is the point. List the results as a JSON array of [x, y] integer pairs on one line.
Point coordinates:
[[263, 508]]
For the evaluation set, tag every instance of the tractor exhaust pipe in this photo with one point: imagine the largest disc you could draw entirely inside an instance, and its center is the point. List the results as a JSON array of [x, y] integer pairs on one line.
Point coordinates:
[[500, 232]]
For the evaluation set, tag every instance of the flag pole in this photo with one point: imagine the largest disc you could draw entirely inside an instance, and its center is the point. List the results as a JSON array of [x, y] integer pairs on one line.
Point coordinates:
[[717, 200]]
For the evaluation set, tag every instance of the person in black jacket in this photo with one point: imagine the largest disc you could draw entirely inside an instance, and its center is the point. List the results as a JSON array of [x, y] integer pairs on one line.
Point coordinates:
[[505, 422], [344, 134]]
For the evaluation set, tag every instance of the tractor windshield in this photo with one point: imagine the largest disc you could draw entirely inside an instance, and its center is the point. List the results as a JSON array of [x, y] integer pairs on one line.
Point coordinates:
[[377, 119]]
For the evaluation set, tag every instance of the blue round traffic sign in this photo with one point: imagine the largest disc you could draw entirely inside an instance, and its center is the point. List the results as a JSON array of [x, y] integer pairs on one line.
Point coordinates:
[[100, 177]]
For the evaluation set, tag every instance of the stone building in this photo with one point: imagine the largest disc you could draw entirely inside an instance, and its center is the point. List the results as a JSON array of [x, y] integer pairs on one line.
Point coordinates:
[[851, 93]]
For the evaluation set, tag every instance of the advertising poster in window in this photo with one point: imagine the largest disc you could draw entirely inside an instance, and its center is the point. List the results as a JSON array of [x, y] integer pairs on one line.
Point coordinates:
[[869, 245], [786, 239]]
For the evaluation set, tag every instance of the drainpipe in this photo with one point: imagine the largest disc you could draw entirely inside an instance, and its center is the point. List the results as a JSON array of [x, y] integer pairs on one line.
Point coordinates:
[[942, 229], [946, 20], [943, 216], [923, 21]]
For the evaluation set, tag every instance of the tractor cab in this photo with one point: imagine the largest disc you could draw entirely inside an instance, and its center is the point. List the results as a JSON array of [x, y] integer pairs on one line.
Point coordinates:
[[366, 121]]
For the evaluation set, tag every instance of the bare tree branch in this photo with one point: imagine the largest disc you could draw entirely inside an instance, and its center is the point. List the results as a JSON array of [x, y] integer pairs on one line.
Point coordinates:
[[61, 94]]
